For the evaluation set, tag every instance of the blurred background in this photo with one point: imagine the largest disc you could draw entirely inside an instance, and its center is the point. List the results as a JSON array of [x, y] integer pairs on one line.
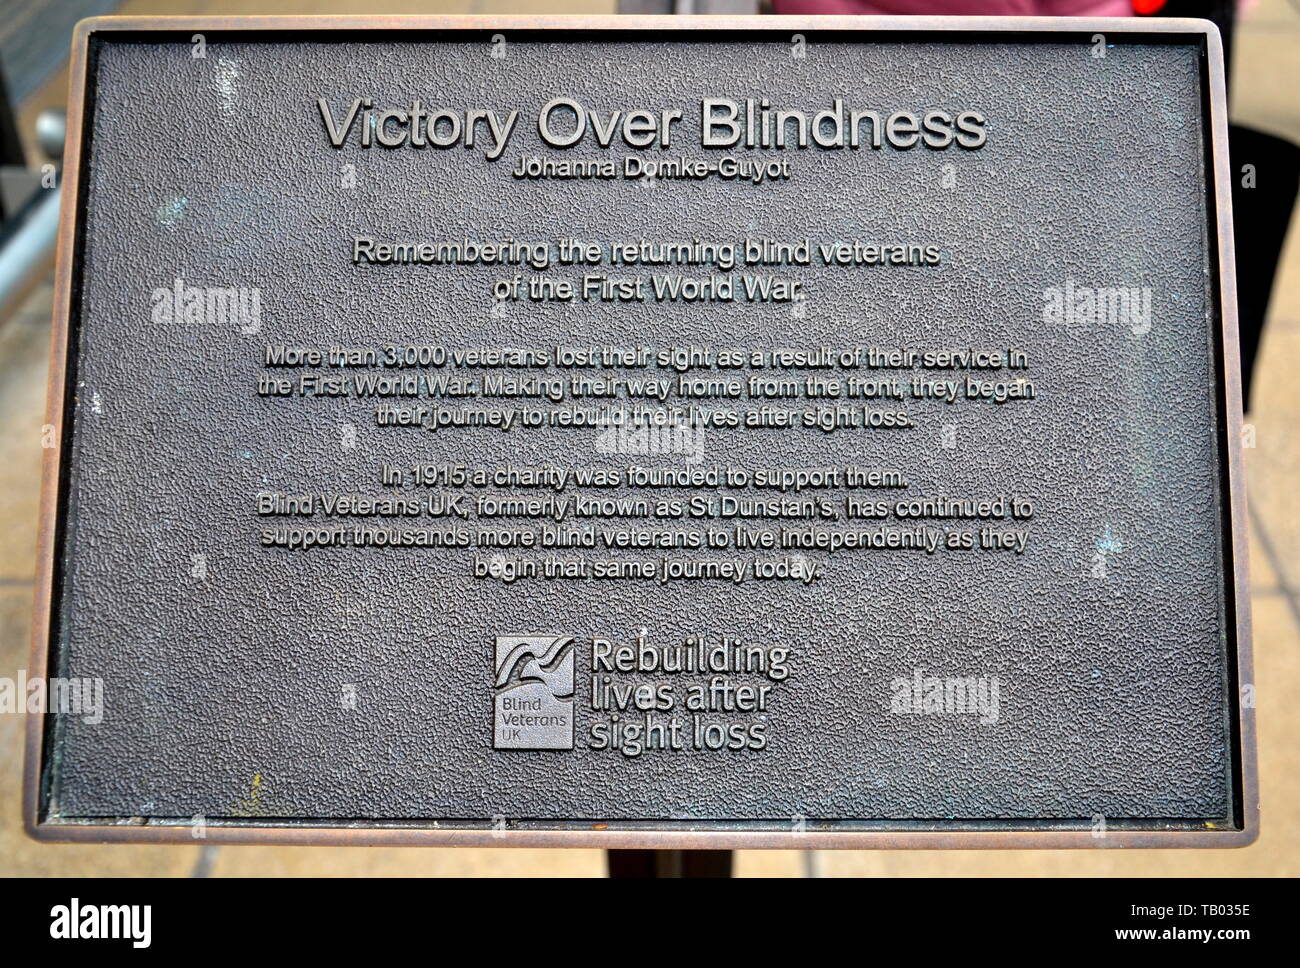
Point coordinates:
[[1264, 40]]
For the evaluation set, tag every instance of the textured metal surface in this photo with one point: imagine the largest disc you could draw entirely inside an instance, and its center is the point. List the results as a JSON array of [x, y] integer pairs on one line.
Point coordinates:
[[223, 693]]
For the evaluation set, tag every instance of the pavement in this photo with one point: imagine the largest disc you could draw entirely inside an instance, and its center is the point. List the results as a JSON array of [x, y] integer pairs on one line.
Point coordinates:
[[1266, 78]]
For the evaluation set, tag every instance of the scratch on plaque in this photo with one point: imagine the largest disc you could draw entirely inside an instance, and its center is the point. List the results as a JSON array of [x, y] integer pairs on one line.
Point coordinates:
[[251, 805], [172, 210], [227, 86], [1108, 542]]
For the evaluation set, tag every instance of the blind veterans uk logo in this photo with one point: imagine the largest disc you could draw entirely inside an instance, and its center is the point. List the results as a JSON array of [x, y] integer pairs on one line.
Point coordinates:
[[533, 693]]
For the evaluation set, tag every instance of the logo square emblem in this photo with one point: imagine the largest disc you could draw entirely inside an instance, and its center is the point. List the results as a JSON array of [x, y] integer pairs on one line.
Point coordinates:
[[533, 693]]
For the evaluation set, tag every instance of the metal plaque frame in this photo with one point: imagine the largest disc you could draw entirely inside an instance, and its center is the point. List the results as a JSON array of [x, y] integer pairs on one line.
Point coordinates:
[[1241, 831]]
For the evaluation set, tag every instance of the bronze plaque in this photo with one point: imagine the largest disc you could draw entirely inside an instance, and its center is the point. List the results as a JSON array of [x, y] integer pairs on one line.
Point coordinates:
[[708, 432]]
